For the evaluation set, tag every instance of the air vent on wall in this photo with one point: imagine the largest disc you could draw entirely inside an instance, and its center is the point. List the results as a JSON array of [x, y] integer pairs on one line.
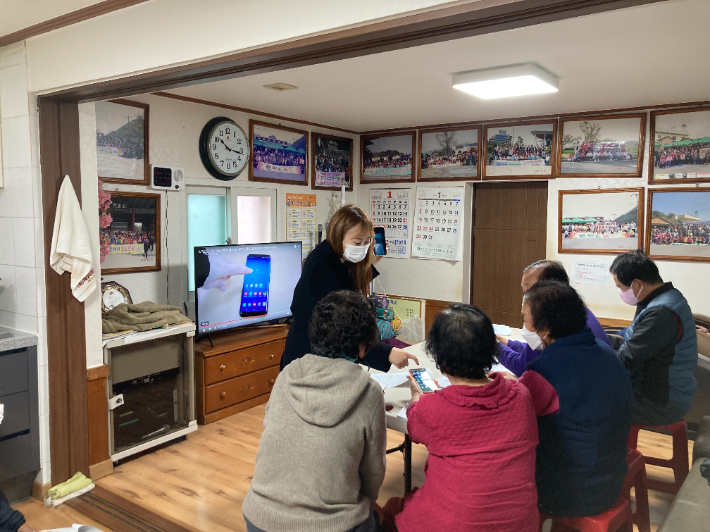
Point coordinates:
[[281, 87]]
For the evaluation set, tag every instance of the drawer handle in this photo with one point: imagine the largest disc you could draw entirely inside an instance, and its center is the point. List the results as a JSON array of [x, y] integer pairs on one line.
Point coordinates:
[[271, 356], [271, 382], [222, 367], [223, 395]]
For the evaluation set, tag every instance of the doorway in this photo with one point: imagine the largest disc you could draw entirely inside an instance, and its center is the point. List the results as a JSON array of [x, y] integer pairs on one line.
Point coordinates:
[[509, 232]]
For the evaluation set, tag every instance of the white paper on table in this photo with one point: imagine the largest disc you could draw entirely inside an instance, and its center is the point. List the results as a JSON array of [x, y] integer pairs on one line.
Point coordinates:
[[389, 380], [502, 330], [403, 413], [499, 367], [443, 382]]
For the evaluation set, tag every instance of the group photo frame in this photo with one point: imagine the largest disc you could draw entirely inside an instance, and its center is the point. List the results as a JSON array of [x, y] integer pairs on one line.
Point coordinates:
[[279, 154], [387, 157], [601, 146], [679, 146], [520, 150], [331, 162], [600, 221], [133, 237], [449, 154], [122, 142], [678, 224]]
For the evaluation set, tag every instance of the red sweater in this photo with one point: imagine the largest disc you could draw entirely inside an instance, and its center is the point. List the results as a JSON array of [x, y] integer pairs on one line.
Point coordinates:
[[480, 474]]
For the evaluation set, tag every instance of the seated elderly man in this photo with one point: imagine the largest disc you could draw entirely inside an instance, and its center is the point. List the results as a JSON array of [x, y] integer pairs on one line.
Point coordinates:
[[514, 355], [660, 347]]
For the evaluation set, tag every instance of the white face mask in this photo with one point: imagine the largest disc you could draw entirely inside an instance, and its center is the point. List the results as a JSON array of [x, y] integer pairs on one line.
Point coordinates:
[[355, 253], [531, 337]]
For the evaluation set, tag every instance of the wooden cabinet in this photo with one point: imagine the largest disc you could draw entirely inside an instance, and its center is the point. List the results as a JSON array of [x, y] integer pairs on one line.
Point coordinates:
[[237, 372]]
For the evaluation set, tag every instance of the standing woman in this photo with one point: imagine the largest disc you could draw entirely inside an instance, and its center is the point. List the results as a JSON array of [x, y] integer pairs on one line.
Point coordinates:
[[343, 261]]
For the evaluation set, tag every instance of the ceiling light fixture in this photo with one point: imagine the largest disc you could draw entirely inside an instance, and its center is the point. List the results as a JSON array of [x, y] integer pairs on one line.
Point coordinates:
[[502, 82], [281, 87]]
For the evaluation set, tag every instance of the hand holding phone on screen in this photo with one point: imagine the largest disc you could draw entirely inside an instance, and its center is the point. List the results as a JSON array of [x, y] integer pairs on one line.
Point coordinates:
[[423, 381], [221, 270]]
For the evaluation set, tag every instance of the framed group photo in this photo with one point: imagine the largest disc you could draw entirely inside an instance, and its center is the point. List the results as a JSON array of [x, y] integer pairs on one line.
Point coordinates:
[[332, 162], [133, 236], [678, 224], [122, 142], [680, 146], [449, 154], [601, 146], [600, 221], [279, 154], [387, 158], [520, 150]]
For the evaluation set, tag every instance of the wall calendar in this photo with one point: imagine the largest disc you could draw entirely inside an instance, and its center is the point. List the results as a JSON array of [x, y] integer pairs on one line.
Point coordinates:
[[390, 208], [438, 223]]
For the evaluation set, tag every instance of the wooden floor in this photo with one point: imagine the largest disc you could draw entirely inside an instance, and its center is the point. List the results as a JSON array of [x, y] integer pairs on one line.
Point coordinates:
[[42, 518], [202, 481]]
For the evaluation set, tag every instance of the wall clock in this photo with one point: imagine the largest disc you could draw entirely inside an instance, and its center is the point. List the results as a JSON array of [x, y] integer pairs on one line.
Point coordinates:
[[224, 148]]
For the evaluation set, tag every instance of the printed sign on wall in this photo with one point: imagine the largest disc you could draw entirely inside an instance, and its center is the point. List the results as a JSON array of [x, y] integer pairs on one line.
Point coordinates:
[[301, 220]]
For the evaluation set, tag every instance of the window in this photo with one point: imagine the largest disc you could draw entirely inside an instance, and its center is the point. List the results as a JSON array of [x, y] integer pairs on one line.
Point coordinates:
[[253, 219], [206, 224]]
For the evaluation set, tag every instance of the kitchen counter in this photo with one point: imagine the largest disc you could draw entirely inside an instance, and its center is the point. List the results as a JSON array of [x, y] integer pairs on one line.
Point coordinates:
[[18, 340]]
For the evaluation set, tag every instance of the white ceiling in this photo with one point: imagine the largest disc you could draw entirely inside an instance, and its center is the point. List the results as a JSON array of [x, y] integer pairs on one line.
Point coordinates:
[[642, 56], [19, 14]]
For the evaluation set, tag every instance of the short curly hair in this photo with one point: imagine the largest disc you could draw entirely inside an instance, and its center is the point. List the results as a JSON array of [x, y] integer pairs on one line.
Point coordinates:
[[557, 307], [462, 342], [342, 322]]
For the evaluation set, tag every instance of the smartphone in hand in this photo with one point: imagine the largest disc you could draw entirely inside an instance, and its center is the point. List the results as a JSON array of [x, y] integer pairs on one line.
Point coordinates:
[[424, 380], [380, 246]]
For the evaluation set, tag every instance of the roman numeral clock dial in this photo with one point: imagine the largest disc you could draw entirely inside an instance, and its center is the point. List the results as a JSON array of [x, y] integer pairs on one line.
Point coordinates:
[[224, 148]]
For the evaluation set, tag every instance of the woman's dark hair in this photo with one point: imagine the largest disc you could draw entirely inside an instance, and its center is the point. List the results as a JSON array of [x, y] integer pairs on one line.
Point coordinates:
[[550, 270], [462, 342], [557, 307], [341, 322], [635, 265]]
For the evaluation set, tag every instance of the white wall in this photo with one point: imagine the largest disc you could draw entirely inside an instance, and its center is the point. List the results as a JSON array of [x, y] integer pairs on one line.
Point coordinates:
[[22, 285], [161, 33], [174, 130]]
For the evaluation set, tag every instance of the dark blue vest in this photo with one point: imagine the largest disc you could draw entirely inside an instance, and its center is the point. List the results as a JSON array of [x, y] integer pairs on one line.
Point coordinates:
[[581, 458]]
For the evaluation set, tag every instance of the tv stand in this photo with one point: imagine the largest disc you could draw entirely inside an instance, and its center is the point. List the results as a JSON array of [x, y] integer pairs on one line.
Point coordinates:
[[237, 370]]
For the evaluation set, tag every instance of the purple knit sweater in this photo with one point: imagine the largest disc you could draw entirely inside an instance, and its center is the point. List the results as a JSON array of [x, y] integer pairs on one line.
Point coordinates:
[[516, 355]]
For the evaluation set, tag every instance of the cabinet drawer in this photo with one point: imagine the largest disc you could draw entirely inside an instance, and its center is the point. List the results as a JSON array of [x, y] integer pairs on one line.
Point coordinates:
[[13, 372], [17, 457], [230, 365], [17, 414], [240, 389]]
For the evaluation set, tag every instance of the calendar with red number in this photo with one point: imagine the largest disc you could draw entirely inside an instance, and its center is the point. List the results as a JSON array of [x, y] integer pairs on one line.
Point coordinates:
[[390, 208], [438, 223]]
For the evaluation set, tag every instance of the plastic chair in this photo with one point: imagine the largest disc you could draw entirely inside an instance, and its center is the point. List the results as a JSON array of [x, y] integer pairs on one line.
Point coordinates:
[[618, 517], [678, 463], [636, 478]]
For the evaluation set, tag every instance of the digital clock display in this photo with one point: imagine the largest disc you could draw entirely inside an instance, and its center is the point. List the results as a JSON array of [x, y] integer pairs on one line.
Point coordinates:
[[162, 177]]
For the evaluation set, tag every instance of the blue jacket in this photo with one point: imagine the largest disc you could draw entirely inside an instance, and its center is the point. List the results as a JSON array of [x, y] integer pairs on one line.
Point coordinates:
[[660, 350], [581, 458]]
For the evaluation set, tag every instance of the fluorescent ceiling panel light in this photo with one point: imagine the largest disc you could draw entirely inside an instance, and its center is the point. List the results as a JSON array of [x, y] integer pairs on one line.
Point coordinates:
[[503, 82]]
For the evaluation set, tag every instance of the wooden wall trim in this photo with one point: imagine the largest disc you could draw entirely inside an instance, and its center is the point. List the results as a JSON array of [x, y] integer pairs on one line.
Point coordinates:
[[96, 10], [66, 340], [97, 414], [438, 25], [250, 111]]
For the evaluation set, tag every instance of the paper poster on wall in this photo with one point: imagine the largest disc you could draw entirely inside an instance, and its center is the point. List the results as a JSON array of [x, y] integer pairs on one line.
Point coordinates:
[[390, 208], [438, 223], [301, 221], [590, 271]]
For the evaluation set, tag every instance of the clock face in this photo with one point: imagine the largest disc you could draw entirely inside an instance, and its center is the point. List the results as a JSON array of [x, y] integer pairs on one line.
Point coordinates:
[[224, 148]]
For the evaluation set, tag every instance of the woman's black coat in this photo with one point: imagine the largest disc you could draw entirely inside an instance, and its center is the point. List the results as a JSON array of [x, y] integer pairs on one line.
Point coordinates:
[[322, 274]]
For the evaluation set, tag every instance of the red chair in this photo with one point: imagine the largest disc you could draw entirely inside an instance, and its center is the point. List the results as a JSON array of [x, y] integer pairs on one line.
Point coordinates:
[[636, 478], [616, 518], [678, 463]]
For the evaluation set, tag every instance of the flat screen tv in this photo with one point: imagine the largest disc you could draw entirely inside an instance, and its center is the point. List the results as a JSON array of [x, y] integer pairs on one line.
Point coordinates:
[[244, 284]]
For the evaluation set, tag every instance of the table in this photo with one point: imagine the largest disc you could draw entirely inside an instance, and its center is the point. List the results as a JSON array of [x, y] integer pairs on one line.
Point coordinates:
[[400, 396]]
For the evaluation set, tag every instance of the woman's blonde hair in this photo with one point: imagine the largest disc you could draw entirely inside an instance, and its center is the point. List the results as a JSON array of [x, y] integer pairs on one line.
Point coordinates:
[[347, 218]]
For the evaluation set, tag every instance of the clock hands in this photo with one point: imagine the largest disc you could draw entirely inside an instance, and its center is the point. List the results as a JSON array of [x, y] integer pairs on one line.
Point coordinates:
[[239, 152]]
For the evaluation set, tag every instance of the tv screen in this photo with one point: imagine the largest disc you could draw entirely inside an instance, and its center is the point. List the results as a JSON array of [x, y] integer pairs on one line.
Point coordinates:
[[240, 285]]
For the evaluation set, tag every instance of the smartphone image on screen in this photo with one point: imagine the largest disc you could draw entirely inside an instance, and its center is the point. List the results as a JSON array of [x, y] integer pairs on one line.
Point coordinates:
[[380, 248], [424, 380], [255, 291]]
